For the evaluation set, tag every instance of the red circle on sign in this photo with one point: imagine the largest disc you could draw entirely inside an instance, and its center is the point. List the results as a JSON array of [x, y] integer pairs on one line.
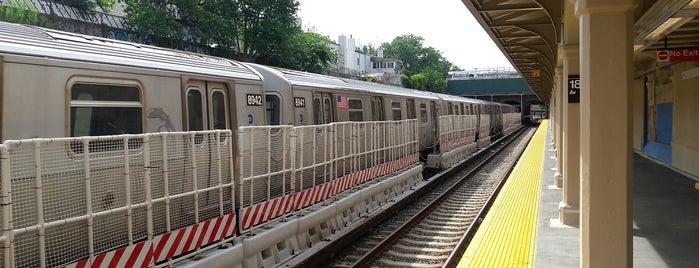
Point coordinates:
[[662, 55]]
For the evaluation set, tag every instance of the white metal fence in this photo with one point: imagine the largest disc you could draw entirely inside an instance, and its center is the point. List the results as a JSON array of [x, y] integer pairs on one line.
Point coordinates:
[[484, 127], [73, 199], [327, 159], [511, 121], [152, 199], [456, 130]]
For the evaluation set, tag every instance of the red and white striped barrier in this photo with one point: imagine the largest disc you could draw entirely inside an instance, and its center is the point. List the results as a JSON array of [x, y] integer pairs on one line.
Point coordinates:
[[313, 195], [165, 246], [262, 212], [265, 211], [139, 255]]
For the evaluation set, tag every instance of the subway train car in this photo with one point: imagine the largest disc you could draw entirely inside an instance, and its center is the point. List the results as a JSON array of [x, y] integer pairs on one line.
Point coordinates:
[[58, 84], [120, 149], [377, 102]]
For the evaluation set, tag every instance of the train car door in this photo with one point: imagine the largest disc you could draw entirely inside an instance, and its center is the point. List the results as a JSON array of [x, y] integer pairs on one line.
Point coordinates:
[[323, 110], [377, 109], [207, 106], [435, 122]]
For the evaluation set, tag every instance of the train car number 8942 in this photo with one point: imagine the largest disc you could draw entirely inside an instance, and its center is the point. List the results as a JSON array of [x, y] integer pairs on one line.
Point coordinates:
[[254, 100]]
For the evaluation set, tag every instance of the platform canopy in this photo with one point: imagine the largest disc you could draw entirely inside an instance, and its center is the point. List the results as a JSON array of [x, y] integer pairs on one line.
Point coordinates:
[[528, 32]]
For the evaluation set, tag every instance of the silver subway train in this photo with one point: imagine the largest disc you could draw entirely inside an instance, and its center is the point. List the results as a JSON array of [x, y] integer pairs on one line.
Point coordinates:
[[153, 148], [59, 84]]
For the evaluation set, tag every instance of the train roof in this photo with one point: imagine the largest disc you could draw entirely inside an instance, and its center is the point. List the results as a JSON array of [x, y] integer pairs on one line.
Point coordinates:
[[298, 78], [301, 78], [388, 89], [35, 41], [448, 97]]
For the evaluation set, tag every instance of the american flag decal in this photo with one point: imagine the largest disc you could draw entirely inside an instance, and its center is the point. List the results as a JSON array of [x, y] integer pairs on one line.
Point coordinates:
[[341, 102]]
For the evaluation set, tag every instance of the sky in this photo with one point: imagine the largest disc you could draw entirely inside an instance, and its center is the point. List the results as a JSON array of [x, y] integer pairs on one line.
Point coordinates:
[[446, 25]]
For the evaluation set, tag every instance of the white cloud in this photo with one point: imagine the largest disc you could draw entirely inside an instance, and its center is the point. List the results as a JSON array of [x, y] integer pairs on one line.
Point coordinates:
[[446, 25]]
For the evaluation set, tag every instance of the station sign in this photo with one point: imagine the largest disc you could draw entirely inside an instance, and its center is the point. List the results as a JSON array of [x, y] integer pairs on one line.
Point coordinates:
[[677, 55], [573, 89], [536, 73]]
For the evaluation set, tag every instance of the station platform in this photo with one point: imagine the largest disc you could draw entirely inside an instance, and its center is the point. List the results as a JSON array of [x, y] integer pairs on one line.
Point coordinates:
[[522, 229]]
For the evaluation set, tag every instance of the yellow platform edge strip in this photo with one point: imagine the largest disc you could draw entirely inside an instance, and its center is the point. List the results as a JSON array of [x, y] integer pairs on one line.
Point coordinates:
[[507, 235]]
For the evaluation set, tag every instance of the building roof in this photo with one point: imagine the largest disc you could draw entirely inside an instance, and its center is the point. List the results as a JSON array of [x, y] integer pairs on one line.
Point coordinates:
[[504, 86]]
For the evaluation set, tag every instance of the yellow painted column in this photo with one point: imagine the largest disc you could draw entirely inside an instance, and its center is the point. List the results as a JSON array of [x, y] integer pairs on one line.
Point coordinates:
[[569, 209], [560, 117], [606, 55], [553, 115], [569, 56]]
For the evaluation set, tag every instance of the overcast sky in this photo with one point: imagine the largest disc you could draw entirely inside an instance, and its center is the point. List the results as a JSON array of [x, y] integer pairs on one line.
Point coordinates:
[[446, 25]]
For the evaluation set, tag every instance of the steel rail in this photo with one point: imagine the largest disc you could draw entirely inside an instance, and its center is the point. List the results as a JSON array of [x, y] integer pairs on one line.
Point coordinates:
[[460, 248], [381, 247]]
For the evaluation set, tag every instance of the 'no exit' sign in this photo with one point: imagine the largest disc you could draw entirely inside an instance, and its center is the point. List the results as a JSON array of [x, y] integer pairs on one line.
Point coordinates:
[[677, 55]]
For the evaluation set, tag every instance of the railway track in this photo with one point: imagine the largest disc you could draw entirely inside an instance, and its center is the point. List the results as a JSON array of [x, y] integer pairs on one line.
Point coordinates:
[[394, 229], [426, 232]]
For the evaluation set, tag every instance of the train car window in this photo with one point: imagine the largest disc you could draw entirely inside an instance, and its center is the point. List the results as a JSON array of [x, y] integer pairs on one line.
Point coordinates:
[[317, 115], [395, 106], [97, 110], [194, 110], [423, 112], [219, 110], [356, 113], [327, 111], [273, 109], [377, 111], [411, 108]]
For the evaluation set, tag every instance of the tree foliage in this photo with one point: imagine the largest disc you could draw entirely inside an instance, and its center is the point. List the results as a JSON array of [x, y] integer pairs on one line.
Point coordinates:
[[88, 5], [427, 63], [455, 68], [369, 49], [263, 31], [306, 51], [23, 12]]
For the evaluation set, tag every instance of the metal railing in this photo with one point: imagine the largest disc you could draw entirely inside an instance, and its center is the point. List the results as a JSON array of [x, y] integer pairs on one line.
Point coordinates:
[[456, 131], [154, 199], [327, 160], [69, 199], [484, 127]]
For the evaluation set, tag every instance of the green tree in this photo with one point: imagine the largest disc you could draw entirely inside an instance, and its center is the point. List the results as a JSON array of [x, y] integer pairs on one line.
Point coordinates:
[[23, 12], [435, 80], [455, 68], [427, 62], [418, 81], [157, 19], [263, 31], [306, 51], [369, 49], [89, 5]]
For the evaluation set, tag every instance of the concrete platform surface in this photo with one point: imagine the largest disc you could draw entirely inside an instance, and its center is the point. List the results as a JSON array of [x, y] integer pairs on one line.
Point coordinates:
[[665, 213]]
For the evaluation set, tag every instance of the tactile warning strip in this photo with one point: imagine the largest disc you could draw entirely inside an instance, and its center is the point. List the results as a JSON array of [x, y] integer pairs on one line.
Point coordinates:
[[507, 235]]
